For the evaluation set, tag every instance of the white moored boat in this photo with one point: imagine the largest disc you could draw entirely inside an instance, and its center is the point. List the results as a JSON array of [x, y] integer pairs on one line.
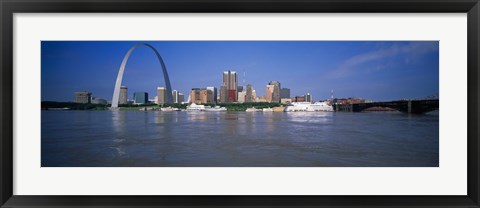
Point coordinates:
[[195, 107], [308, 107], [321, 106], [169, 109], [216, 109]]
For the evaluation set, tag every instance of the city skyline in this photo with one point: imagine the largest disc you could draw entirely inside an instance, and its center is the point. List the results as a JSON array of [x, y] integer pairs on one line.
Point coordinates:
[[377, 70]]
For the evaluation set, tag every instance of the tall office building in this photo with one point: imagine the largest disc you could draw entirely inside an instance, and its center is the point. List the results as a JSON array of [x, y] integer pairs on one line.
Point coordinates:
[[269, 93], [223, 94], [249, 96], [161, 95], [83, 97], [276, 91], [175, 96], [181, 97], [214, 94], [195, 96], [284, 93], [140, 97], [123, 99], [206, 96], [201, 96], [308, 97], [229, 87]]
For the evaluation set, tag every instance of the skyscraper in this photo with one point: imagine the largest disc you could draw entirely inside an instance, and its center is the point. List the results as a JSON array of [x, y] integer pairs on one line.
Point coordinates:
[[276, 91], [83, 97], [161, 95], [223, 94], [230, 81], [123, 95], [249, 96], [181, 97], [140, 97], [175, 96], [284, 93]]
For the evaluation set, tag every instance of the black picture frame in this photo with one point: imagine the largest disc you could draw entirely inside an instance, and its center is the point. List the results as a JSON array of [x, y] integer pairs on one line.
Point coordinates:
[[9, 7]]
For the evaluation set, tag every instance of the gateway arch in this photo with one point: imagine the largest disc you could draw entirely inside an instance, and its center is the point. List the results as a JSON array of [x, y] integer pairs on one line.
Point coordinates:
[[118, 83]]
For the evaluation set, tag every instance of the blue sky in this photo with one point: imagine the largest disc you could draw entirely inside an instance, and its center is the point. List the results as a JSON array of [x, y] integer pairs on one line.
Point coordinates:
[[376, 70]]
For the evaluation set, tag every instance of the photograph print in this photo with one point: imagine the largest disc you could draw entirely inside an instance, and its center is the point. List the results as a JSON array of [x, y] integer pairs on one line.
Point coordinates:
[[239, 104]]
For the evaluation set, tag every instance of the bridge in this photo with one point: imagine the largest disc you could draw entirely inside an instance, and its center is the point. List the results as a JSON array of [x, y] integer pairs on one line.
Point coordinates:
[[406, 106]]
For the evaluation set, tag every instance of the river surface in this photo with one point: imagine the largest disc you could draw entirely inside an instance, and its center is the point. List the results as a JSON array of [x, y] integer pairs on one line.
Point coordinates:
[[238, 139]]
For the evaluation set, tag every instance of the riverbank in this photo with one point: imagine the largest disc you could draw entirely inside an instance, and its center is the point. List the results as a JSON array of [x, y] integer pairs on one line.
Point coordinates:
[[52, 105]]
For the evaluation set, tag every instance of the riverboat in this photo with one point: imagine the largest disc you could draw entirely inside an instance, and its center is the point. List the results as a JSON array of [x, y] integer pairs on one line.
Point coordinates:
[[216, 109], [196, 107], [308, 107]]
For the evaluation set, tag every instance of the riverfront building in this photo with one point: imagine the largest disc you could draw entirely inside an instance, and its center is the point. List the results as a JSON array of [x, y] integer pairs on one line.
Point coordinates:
[[223, 94], [181, 97], [242, 96], [269, 93], [178, 97], [123, 95], [249, 94], [284, 93], [175, 96], [206, 96], [214, 94], [140, 97], [161, 95], [228, 90], [275, 94], [83, 97], [308, 98], [201, 96], [98, 101], [298, 99], [195, 96]]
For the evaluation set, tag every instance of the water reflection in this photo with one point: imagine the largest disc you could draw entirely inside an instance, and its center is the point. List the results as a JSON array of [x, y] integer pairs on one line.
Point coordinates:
[[309, 117], [238, 139], [119, 123]]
